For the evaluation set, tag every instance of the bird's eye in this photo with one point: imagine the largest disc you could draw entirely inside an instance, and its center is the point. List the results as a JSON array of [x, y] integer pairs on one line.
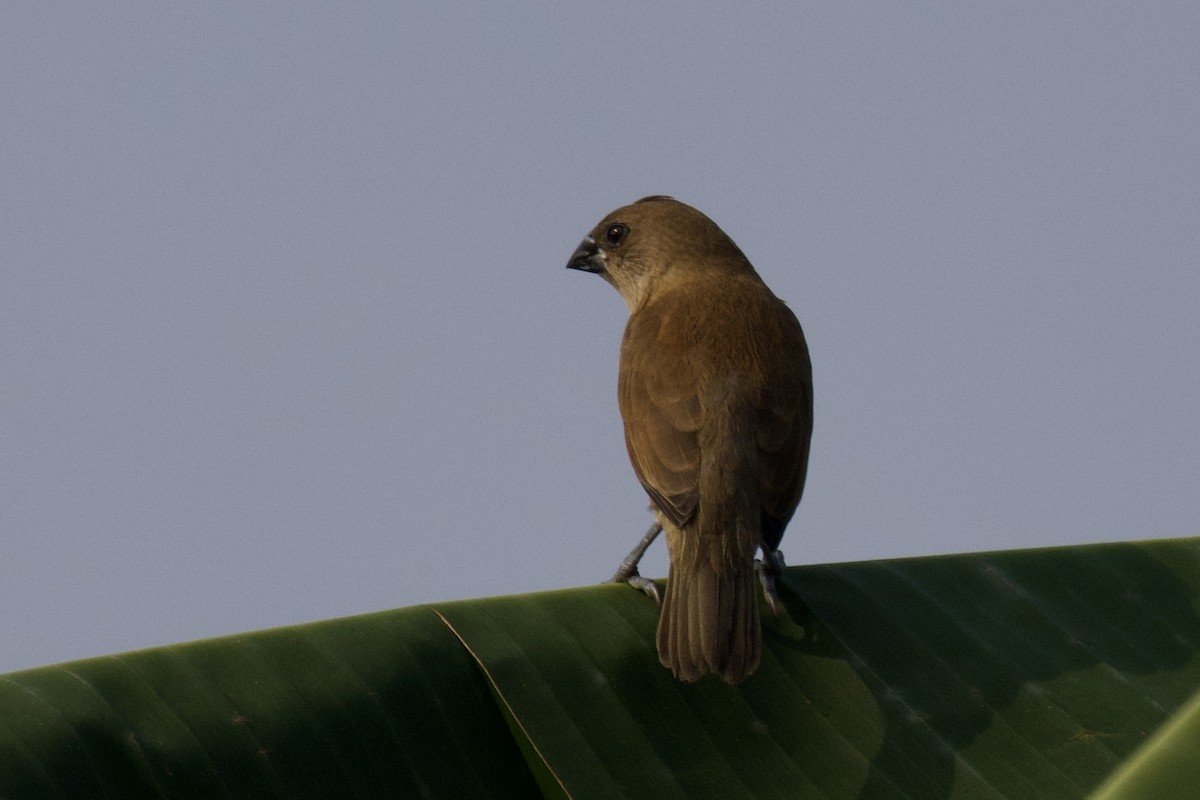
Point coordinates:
[[614, 234]]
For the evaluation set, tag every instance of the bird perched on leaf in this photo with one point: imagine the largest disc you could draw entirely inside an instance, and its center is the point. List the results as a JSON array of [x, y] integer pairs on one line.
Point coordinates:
[[715, 390]]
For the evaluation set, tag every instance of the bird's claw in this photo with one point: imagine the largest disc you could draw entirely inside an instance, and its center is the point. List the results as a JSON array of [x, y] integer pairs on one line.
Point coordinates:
[[645, 585], [628, 571]]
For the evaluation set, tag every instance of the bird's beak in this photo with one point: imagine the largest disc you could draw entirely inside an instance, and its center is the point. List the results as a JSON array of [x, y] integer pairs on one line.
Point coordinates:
[[588, 257]]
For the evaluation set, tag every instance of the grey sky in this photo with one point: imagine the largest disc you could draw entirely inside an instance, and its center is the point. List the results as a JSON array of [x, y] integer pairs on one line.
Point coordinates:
[[286, 333]]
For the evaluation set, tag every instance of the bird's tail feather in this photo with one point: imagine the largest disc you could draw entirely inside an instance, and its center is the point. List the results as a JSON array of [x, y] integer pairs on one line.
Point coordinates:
[[709, 622]]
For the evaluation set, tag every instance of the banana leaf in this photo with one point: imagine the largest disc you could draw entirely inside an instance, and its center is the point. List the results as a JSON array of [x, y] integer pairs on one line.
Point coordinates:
[[1053, 673]]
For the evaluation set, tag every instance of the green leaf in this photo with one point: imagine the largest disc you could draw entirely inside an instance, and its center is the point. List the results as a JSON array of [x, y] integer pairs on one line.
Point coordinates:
[[998, 675], [1166, 767], [383, 705], [1027, 674]]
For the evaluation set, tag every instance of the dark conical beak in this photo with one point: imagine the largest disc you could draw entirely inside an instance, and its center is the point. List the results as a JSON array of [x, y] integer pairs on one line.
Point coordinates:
[[587, 257]]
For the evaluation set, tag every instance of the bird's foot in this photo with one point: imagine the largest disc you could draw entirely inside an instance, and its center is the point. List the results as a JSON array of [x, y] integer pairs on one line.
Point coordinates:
[[627, 572], [646, 585], [768, 570]]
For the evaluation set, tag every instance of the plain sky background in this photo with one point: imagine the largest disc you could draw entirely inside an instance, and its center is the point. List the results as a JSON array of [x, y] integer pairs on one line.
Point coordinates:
[[286, 331]]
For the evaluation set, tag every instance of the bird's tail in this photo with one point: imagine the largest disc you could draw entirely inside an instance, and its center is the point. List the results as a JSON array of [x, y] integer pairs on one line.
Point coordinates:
[[709, 621]]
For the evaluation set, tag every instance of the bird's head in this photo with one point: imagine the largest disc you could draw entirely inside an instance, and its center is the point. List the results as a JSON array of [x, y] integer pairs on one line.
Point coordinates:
[[654, 243]]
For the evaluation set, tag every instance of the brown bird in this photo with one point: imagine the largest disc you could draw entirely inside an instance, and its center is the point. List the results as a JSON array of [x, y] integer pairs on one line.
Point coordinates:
[[715, 390]]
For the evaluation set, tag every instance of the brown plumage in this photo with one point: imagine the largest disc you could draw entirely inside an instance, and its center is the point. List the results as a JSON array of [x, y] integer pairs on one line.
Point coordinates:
[[715, 390]]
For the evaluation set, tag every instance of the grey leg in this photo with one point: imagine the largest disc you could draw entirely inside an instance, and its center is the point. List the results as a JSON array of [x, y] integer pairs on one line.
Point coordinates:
[[768, 569], [628, 571]]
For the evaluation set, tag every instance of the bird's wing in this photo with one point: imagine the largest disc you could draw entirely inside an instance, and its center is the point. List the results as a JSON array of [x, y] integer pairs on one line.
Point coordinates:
[[783, 432], [783, 424], [662, 415]]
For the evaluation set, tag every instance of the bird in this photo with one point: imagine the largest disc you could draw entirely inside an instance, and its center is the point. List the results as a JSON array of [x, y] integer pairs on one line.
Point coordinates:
[[715, 393]]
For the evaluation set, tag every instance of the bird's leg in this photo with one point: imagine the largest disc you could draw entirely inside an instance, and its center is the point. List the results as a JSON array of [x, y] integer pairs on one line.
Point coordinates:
[[768, 569], [628, 571]]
